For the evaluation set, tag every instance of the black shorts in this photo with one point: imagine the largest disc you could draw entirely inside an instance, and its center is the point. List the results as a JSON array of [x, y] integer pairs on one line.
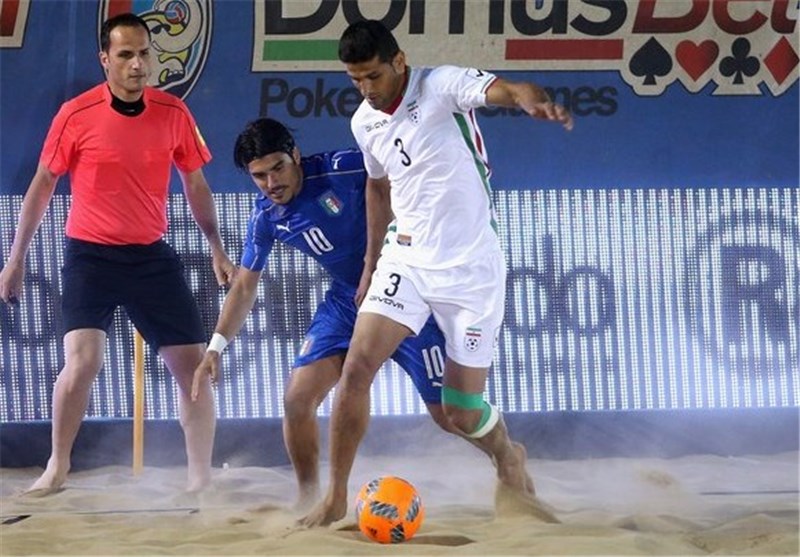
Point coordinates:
[[147, 280]]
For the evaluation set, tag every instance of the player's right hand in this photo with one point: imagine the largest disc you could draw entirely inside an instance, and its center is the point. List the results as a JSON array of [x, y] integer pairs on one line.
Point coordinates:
[[12, 277], [209, 367]]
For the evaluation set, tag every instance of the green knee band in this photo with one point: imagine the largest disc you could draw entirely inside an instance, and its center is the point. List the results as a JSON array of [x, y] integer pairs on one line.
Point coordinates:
[[473, 401], [467, 401], [489, 419], [485, 415]]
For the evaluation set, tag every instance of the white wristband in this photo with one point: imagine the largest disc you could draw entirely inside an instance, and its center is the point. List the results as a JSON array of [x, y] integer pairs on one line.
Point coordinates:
[[217, 343]]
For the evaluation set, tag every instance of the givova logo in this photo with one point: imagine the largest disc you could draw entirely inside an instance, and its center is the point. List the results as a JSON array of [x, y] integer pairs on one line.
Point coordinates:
[[181, 37]]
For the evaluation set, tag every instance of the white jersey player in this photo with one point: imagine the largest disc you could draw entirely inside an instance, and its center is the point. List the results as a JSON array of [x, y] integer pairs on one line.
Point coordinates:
[[423, 150], [444, 236], [431, 149]]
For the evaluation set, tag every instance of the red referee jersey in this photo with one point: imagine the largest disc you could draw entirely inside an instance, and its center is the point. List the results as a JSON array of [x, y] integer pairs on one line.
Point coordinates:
[[120, 165]]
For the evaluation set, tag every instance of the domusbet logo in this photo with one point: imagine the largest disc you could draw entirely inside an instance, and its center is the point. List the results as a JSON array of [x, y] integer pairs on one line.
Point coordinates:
[[741, 46]]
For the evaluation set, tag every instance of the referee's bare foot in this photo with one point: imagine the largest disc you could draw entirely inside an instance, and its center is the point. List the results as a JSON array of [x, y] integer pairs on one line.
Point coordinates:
[[198, 481], [51, 480]]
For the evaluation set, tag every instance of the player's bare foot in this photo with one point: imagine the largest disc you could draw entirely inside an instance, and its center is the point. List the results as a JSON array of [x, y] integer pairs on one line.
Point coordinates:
[[515, 494], [325, 512], [511, 469], [307, 496], [512, 502], [51, 480]]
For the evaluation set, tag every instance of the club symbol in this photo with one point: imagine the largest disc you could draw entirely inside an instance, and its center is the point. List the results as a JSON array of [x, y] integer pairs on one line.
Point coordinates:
[[741, 63]]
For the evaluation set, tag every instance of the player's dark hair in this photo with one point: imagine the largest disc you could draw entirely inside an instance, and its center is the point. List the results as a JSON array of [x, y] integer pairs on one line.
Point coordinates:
[[260, 138], [365, 39]]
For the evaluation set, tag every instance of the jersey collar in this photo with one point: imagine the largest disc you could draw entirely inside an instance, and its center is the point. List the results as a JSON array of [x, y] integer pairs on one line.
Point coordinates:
[[399, 98], [122, 107]]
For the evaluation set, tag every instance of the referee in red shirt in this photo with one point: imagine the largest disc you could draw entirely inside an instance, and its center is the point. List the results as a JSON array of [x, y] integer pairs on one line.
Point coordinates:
[[118, 141]]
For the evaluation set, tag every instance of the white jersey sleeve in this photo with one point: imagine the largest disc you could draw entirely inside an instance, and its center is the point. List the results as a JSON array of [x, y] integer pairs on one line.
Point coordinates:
[[462, 88], [374, 169]]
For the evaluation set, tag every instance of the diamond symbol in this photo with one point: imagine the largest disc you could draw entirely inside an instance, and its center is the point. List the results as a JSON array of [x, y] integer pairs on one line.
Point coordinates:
[[781, 60]]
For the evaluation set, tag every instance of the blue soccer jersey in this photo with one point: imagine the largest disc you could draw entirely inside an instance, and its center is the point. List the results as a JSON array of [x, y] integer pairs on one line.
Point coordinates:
[[327, 221]]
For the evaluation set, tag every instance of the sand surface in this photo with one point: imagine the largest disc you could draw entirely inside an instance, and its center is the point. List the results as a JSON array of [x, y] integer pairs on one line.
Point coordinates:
[[692, 505]]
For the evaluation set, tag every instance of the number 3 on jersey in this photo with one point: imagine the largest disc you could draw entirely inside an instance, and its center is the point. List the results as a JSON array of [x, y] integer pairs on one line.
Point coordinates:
[[406, 160], [394, 279]]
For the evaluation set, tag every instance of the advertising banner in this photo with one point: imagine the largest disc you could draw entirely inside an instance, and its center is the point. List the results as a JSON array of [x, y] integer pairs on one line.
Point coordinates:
[[666, 93]]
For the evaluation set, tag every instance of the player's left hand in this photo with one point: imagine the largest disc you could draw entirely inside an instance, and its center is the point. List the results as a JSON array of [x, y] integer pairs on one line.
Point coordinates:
[[224, 269], [209, 367], [554, 112], [363, 286]]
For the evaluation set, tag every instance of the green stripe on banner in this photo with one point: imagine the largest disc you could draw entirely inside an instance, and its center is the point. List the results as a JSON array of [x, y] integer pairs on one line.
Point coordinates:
[[300, 50]]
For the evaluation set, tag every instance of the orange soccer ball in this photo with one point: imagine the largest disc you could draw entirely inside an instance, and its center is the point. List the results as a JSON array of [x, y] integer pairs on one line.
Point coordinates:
[[389, 510]]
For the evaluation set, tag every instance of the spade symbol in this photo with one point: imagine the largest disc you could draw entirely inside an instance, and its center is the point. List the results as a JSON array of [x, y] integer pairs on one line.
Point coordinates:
[[650, 61], [740, 63]]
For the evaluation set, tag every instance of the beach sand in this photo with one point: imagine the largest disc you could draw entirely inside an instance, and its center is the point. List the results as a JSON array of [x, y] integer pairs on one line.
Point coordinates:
[[691, 505]]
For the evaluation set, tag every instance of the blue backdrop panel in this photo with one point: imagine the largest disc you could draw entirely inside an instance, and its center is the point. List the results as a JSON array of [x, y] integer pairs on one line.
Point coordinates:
[[678, 138]]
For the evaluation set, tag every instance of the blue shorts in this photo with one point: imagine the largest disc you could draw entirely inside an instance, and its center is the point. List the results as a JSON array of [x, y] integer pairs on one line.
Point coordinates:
[[147, 280], [421, 356]]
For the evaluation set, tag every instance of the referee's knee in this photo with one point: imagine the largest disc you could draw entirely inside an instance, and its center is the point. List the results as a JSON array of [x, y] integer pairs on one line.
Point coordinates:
[[83, 363]]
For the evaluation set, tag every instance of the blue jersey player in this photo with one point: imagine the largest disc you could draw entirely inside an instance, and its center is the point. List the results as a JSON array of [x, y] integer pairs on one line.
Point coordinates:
[[316, 204]]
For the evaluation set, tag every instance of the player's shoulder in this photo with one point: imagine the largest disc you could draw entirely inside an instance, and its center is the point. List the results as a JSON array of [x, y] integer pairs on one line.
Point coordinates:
[[444, 71], [260, 204], [261, 211], [332, 162], [363, 112], [448, 73]]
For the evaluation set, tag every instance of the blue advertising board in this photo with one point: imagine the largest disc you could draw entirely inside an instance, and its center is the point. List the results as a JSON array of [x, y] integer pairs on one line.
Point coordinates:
[[718, 129]]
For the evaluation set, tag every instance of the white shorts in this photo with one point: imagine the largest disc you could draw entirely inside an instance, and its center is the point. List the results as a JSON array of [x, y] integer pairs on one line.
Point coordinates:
[[467, 301]]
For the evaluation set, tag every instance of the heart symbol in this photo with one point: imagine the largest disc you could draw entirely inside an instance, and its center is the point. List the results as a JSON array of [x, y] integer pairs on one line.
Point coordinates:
[[696, 58]]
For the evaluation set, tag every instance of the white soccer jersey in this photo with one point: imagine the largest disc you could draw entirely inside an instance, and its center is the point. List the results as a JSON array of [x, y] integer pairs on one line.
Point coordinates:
[[433, 153]]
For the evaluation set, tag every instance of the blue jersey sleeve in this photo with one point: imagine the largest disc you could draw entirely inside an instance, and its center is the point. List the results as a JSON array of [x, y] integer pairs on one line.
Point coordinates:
[[258, 242]]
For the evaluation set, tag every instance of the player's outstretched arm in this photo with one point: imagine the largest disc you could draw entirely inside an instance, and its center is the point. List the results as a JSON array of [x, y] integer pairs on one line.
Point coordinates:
[[528, 97], [34, 205], [201, 203], [238, 303]]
